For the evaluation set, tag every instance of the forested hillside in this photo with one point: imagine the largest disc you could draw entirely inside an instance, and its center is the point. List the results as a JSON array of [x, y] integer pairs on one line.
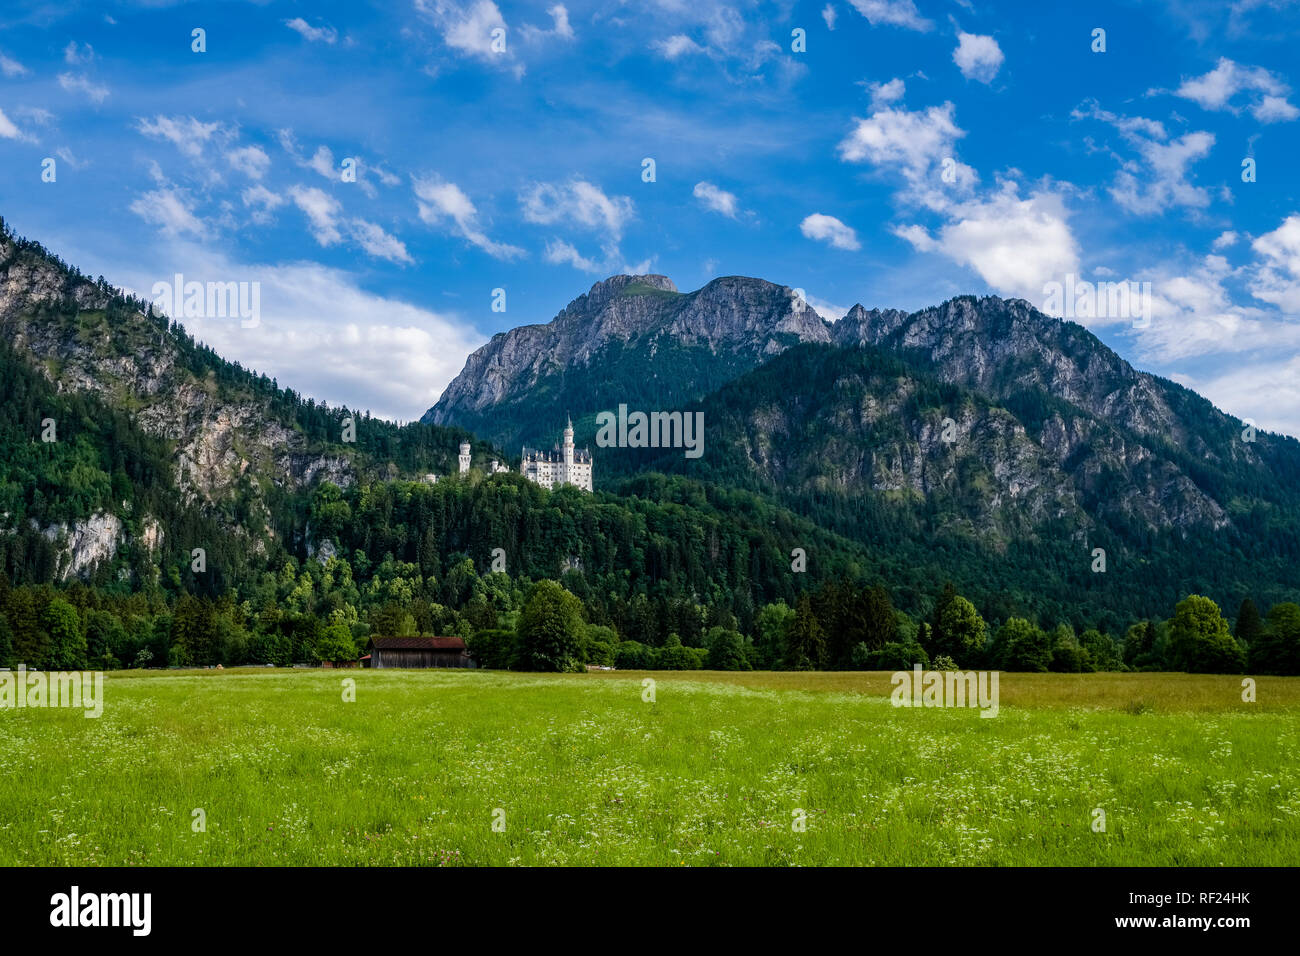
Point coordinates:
[[856, 505]]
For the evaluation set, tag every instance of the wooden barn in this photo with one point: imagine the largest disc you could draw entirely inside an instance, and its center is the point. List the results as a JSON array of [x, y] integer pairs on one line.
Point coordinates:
[[418, 652]]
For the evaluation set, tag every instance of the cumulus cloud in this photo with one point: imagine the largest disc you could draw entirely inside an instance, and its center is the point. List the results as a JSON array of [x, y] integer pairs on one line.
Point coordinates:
[[322, 211], [321, 333], [1277, 273], [830, 230], [261, 202], [1017, 245], [252, 161], [7, 128], [186, 133], [1217, 89], [78, 53], [560, 27], [827, 310], [578, 202], [896, 13], [715, 199], [1193, 314], [1267, 393], [559, 252], [171, 210], [324, 164], [320, 162], [1159, 178], [378, 243], [978, 57], [439, 201], [1274, 109], [329, 227], [468, 29], [80, 83], [1161, 181], [882, 94], [922, 144], [11, 67], [676, 46], [324, 34]]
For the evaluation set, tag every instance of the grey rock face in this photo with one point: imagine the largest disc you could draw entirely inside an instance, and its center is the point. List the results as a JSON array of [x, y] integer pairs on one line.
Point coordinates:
[[734, 318], [1107, 419]]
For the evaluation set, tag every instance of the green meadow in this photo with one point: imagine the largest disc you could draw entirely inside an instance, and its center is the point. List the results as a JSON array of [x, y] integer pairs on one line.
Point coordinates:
[[456, 768]]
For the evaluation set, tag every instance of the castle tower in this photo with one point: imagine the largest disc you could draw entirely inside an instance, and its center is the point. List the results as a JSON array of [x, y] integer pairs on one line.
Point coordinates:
[[464, 457], [568, 447]]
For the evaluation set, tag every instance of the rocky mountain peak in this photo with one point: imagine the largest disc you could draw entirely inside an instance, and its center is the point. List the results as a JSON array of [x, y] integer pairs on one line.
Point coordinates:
[[699, 338], [860, 325], [607, 290]]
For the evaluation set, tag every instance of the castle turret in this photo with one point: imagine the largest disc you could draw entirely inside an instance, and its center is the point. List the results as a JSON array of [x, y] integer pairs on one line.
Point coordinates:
[[568, 445], [464, 457]]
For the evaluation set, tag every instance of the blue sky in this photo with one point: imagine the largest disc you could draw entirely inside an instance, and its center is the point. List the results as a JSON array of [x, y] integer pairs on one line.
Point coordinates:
[[522, 168]]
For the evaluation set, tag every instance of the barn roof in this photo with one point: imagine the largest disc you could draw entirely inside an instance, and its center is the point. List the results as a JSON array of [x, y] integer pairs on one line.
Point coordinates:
[[418, 643]]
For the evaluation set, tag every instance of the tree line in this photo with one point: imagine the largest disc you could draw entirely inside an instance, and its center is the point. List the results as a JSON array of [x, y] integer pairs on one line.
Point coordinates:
[[327, 611]]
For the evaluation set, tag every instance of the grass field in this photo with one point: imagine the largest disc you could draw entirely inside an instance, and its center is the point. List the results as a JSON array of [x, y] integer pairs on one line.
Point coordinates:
[[581, 770]]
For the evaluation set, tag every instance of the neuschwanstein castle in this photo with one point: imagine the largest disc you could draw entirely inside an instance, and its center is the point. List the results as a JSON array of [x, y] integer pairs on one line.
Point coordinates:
[[563, 465]]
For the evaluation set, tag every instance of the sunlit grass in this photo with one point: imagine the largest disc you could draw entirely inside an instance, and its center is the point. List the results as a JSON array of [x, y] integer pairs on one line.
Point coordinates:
[[712, 772]]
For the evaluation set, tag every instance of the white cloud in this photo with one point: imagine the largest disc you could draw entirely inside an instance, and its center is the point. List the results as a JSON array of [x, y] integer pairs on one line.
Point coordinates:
[[561, 18], [7, 129], [322, 211], [1160, 181], [75, 53], [827, 310], [67, 156], [322, 334], [560, 252], [1192, 314], [438, 200], [11, 67], [882, 94], [1276, 278], [35, 114], [320, 162], [1016, 245], [1159, 178], [252, 161], [1215, 90], [1225, 240], [323, 162], [171, 210], [897, 13], [578, 202], [978, 57], [262, 202], [1267, 393], [326, 34], [186, 133], [828, 229], [829, 14], [560, 26], [378, 243], [469, 28], [920, 144], [1274, 109], [718, 200], [80, 83], [677, 45], [325, 218]]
